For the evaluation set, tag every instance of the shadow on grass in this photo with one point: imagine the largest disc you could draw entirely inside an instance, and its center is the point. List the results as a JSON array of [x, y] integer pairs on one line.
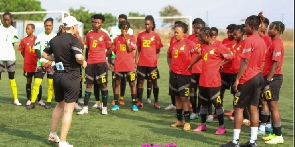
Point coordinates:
[[27, 135]]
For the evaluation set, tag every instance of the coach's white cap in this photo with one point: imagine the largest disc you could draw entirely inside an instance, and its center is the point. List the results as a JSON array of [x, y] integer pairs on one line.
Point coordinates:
[[69, 21]]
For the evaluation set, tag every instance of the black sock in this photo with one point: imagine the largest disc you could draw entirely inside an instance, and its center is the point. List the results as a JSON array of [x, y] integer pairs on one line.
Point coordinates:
[[268, 119], [133, 96], [221, 119], [96, 92], [186, 116], [104, 94], [80, 91], [203, 118], [139, 94], [277, 131], [123, 87], [156, 94], [28, 90], [149, 89], [193, 100], [40, 93], [172, 100], [86, 98], [179, 114], [116, 98]]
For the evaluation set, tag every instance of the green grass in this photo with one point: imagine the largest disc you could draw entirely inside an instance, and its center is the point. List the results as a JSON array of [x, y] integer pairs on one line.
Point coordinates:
[[124, 128]]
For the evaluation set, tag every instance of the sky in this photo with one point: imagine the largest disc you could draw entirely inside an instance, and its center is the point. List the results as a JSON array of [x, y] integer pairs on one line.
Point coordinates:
[[217, 13]]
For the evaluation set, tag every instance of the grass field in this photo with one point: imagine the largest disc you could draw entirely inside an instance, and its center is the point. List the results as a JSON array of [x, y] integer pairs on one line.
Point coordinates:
[[23, 128]]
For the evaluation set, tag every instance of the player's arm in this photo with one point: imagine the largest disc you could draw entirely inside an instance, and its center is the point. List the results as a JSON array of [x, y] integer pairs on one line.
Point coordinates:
[[137, 52], [77, 50], [195, 50], [48, 54], [21, 48], [276, 58]]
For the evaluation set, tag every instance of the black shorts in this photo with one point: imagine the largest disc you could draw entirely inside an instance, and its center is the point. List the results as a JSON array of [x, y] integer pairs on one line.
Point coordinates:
[[29, 74], [195, 80], [274, 88], [40, 72], [227, 80], [129, 76], [96, 73], [179, 85], [209, 95], [66, 86], [249, 92], [149, 73]]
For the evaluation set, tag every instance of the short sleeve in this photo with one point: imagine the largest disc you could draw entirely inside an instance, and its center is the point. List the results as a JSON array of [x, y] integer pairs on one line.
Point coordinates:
[[21, 46], [115, 45], [76, 46], [37, 44], [159, 43], [132, 42], [15, 36], [169, 52], [87, 40], [107, 40], [277, 51], [193, 47], [225, 52], [247, 50]]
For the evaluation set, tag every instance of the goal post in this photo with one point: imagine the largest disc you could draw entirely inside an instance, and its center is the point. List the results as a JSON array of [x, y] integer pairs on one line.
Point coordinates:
[[165, 31]]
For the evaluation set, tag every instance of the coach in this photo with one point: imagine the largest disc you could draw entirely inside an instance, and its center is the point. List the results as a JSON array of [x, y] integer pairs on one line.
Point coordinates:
[[68, 58]]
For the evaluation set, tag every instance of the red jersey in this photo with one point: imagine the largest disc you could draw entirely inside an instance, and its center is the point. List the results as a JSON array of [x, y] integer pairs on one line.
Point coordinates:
[[97, 43], [181, 53], [230, 46], [236, 62], [254, 51], [197, 68], [30, 57], [172, 40], [212, 56], [267, 40], [124, 61], [276, 52]]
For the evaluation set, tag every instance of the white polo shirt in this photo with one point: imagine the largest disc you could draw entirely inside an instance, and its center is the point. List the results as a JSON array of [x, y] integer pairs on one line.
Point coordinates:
[[41, 42], [8, 36]]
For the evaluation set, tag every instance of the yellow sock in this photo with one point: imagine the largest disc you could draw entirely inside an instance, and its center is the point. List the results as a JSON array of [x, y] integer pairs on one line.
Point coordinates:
[[13, 88], [97, 102], [50, 90], [122, 98], [35, 89]]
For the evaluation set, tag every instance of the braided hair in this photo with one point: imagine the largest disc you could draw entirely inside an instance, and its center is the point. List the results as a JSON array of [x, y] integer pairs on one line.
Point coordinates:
[[207, 31], [280, 26], [240, 28], [151, 18], [184, 27]]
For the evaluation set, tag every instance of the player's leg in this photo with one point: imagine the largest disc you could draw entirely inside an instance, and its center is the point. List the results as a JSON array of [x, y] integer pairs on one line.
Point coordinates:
[[38, 78], [217, 102], [10, 65], [184, 92], [29, 76], [50, 89], [141, 76], [103, 80], [149, 86], [131, 78], [204, 101], [80, 100], [96, 90], [193, 97], [117, 79], [89, 80], [154, 75], [122, 91], [275, 87]]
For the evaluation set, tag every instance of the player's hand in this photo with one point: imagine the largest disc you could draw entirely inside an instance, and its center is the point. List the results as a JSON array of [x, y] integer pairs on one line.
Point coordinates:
[[235, 86], [43, 64], [189, 68], [48, 64], [84, 65]]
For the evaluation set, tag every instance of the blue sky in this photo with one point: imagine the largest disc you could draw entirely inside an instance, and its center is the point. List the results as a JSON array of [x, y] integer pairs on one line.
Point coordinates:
[[220, 12]]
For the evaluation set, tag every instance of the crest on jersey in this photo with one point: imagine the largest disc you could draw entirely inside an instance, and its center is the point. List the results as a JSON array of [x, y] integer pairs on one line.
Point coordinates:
[[239, 48], [153, 38], [100, 38], [128, 40], [182, 48], [28, 43], [211, 51]]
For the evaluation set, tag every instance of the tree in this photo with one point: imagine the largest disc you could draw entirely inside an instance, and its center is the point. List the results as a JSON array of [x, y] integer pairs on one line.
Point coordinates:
[[23, 5], [136, 23], [169, 11], [83, 15]]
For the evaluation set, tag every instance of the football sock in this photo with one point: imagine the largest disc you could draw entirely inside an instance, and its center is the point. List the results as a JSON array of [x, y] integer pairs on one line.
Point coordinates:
[[35, 90], [28, 91], [186, 116], [50, 90], [172, 100], [179, 114], [220, 116], [254, 131], [87, 96], [139, 94], [96, 92], [122, 88], [40, 93], [116, 97], [13, 88], [104, 95], [149, 89], [156, 94]]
